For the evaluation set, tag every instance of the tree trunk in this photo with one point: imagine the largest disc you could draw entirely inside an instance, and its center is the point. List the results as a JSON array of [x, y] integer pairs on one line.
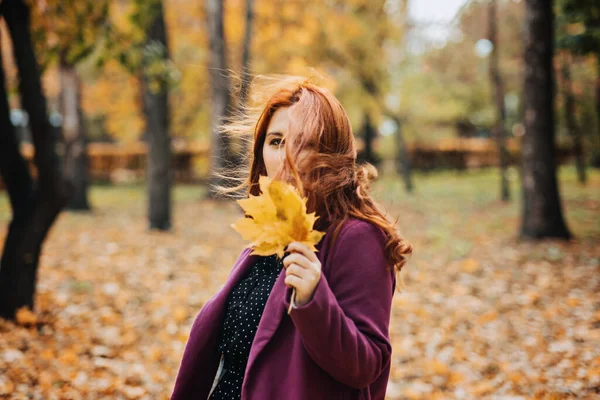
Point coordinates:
[[402, 157], [570, 121], [369, 133], [247, 46], [596, 158], [245, 143], [221, 157], [498, 87], [541, 213], [403, 162], [34, 207], [156, 112], [74, 135]]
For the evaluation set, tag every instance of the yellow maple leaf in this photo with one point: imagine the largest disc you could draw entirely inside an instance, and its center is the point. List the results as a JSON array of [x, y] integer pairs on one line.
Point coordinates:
[[276, 218]]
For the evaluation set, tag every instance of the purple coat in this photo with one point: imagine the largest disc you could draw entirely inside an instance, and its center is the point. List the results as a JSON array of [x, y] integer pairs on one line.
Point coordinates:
[[336, 346]]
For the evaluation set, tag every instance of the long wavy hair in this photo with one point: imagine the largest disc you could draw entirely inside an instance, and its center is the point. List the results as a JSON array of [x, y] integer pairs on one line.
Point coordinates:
[[336, 186]]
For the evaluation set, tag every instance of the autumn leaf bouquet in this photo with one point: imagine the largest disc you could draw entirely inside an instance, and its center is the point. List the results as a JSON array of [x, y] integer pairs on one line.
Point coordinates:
[[276, 218]]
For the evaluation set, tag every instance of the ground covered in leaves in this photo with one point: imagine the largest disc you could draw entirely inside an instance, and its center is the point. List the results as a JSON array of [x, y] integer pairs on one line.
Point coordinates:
[[480, 315]]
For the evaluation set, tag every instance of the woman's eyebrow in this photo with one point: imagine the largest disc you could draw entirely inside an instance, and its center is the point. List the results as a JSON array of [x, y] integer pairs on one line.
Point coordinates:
[[274, 134]]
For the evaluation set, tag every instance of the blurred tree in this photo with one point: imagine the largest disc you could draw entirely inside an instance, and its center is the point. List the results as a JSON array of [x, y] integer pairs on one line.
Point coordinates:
[[403, 164], [498, 85], [569, 100], [361, 53], [369, 134], [570, 117], [453, 81], [221, 155], [74, 135], [141, 48], [357, 61], [35, 204], [114, 89], [66, 33], [580, 34], [155, 103], [249, 23], [245, 74], [358, 56], [542, 211]]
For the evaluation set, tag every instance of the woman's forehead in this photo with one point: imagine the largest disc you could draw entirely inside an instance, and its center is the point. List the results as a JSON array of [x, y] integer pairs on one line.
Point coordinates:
[[280, 121]]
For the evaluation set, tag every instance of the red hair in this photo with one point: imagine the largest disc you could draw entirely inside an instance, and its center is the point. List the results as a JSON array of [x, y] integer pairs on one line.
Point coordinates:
[[336, 187]]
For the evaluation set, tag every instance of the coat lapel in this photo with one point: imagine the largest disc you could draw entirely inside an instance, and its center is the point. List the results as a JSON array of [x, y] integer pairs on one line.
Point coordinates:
[[239, 272], [216, 312]]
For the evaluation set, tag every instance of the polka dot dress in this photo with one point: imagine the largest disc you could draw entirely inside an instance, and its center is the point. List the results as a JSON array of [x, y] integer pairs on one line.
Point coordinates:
[[245, 306]]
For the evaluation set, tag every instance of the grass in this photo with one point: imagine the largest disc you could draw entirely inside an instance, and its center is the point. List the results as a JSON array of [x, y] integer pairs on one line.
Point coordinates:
[[130, 197], [445, 201], [448, 200]]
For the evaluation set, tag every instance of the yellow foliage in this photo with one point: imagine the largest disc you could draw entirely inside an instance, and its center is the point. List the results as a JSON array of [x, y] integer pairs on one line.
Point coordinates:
[[68, 357], [47, 355], [25, 316], [487, 317], [470, 265], [6, 387], [276, 218], [180, 314]]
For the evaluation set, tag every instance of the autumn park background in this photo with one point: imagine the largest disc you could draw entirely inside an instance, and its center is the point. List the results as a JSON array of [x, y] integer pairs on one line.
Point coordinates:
[[481, 116]]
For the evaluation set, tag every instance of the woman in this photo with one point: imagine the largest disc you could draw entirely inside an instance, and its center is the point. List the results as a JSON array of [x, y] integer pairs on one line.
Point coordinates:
[[334, 344]]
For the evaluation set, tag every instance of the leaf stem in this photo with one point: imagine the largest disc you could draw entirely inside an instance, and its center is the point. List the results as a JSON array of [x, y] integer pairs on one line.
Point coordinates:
[[292, 300]]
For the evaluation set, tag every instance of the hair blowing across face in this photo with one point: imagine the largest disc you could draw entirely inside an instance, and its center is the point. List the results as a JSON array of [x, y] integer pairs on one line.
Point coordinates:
[[320, 158]]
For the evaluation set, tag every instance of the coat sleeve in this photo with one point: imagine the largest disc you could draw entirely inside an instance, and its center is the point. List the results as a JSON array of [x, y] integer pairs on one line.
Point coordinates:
[[345, 326]]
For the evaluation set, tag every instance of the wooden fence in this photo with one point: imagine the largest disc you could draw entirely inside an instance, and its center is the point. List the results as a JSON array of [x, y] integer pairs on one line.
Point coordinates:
[[109, 162], [468, 153]]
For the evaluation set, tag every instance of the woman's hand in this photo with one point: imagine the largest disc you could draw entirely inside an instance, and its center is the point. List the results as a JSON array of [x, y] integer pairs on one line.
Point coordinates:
[[302, 270]]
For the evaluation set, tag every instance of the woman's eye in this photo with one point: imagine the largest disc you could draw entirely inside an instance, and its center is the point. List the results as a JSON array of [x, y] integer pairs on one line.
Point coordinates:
[[275, 142]]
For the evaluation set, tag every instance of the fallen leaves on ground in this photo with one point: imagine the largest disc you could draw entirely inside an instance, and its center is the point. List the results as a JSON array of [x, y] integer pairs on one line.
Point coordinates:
[[481, 314]]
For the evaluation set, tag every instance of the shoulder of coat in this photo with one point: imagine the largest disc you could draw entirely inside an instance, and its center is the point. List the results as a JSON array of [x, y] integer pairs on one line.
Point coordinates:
[[357, 227]]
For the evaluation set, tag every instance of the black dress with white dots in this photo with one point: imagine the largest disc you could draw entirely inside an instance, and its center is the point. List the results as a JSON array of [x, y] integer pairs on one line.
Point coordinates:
[[245, 306]]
